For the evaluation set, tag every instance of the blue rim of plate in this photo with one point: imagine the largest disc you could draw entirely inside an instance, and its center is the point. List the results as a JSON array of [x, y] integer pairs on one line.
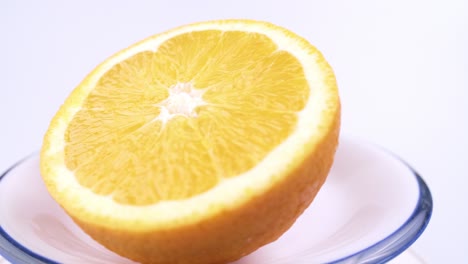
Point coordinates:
[[380, 252]]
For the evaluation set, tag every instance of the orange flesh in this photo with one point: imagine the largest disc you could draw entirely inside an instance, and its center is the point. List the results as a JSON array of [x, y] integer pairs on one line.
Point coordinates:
[[170, 124]]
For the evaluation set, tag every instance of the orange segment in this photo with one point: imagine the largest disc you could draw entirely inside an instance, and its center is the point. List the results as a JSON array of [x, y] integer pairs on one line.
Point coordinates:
[[272, 82], [240, 139]]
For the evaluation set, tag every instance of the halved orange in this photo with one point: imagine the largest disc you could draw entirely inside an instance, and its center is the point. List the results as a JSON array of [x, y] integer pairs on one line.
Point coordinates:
[[197, 145]]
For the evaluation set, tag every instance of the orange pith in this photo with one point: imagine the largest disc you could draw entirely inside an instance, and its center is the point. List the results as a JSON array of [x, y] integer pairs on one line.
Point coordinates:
[[150, 146]]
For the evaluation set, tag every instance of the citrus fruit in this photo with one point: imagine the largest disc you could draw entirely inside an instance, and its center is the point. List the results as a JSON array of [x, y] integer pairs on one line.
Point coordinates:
[[197, 145]]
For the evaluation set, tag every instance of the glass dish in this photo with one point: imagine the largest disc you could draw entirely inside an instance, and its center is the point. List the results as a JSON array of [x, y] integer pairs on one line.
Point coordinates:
[[372, 207]]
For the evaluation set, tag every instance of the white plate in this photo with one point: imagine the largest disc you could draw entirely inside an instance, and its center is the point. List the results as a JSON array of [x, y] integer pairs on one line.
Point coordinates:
[[371, 208]]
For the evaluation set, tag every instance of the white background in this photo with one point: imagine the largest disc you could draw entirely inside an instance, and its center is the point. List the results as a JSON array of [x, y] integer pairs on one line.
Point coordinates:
[[402, 69]]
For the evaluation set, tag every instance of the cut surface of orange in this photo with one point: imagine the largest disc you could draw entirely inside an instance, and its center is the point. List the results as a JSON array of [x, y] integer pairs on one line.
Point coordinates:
[[197, 145]]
